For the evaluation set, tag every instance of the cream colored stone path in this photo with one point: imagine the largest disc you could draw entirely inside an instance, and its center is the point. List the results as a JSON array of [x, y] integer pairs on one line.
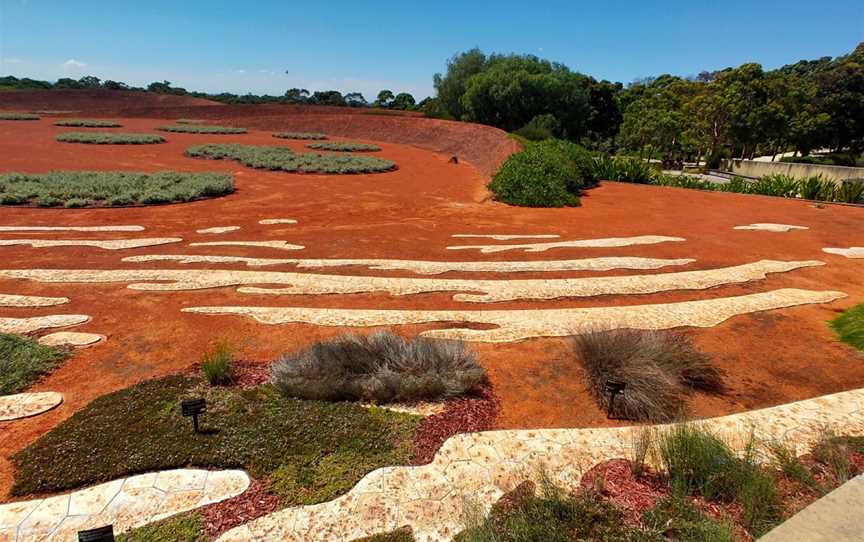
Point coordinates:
[[767, 226], [219, 229], [126, 503], [503, 237], [273, 221], [11, 300], [279, 245], [582, 243], [514, 325], [70, 338], [37, 323], [70, 228], [114, 244], [493, 290], [422, 267], [24, 405], [478, 468], [852, 252]]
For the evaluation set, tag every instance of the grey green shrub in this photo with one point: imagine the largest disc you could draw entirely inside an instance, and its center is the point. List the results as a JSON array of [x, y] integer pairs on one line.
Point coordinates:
[[18, 116], [102, 138], [300, 135], [344, 146], [284, 159], [88, 123], [202, 129]]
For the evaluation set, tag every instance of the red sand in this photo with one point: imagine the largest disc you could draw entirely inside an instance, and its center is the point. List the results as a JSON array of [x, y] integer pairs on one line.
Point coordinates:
[[770, 358]]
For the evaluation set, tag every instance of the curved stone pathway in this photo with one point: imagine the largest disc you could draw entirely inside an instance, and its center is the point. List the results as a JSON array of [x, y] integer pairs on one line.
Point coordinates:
[[279, 245], [218, 229], [423, 267], [22, 326], [71, 228], [582, 243], [767, 226], [274, 221], [70, 338], [851, 252], [24, 405], [11, 300], [115, 244], [126, 503], [478, 468], [515, 325]]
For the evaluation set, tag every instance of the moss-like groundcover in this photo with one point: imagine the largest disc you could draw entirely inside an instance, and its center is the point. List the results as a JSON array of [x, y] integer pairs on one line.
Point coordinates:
[[102, 138], [313, 451], [849, 327], [23, 361], [110, 188], [284, 159], [344, 146], [202, 129], [88, 123], [300, 135], [18, 116]]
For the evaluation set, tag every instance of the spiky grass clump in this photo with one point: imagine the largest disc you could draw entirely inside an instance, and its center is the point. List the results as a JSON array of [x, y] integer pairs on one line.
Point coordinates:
[[100, 138], [300, 135], [217, 364], [849, 326], [23, 361], [202, 129], [658, 368], [88, 123], [110, 188], [284, 159], [18, 116], [379, 368], [344, 146]]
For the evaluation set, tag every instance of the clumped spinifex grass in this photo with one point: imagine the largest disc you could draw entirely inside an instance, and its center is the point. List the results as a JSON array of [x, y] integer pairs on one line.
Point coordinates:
[[103, 138], [313, 451], [344, 146], [849, 326], [379, 368], [190, 121], [110, 188], [18, 116], [88, 123], [23, 361], [299, 135], [202, 129], [217, 364], [284, 159]]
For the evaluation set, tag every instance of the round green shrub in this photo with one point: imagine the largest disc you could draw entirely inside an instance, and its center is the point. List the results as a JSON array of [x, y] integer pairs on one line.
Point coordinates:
[[344, 146], [88, 123], [202, 129], [300, 135], [101, 138], [18, 116]]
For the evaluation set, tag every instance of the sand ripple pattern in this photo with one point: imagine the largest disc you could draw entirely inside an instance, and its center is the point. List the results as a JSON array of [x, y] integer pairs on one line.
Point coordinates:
[[114, 244], [582, 243], [11, 300], [71, 228]]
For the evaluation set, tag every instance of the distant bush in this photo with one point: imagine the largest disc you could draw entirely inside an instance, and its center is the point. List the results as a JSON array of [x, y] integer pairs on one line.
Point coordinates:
[[98, 138], [300, 135], [623, 169], [849, 327], [344, 146], [110, 188], [658, 368], [284, 159], [217, 364], [88, 123], [202, 129], [850, 191], [18, 116], [380, 368], [540, 127], [23, 362]]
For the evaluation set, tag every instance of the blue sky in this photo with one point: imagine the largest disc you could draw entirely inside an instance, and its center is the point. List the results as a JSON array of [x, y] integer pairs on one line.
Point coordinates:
[[247, 46]]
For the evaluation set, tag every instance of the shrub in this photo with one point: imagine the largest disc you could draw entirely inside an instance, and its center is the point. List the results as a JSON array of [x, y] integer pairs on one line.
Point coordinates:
[[849, 327], [110, 188], [24, 361], [540, 127], [202, 129], [217, 364], [659, 369], [88, 123], [775, 185], [190, 121], [18, 116], [677, 519], [344, 146], [97, 138], [379, 368], [535, 177], [299, 135], [180, 528], [817, 188], [850, 191], [284, 159], [623, 169]]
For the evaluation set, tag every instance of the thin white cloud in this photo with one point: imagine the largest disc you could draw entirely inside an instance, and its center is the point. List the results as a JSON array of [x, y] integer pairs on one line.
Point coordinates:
[[239, 71], [73, 64], [11, 60]]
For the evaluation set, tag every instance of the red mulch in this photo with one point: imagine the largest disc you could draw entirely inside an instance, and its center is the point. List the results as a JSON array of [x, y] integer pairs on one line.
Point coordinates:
[[245, 373], [614, 480], [253, 503], [467, 414]]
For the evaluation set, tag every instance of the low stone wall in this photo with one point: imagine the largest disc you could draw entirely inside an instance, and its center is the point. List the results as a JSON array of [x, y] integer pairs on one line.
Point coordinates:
[[757, 170]]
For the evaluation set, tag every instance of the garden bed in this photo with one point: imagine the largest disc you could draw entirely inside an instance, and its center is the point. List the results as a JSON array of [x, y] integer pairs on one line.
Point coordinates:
[[344, 146], [284, 159], [191, 128], [98, 138]]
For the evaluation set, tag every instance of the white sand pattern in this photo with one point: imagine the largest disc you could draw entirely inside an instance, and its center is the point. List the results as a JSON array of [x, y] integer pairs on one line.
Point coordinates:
[[515, 325], [273, 221], [71, 228], [768, 226], [218, 229], [11, 300], [504, 236], [427, 267], [851, 252], [125, 503], [280, 245], [494, 290], [581, 243], [71, 338], [24, 405], [114, 244], [37, 323]]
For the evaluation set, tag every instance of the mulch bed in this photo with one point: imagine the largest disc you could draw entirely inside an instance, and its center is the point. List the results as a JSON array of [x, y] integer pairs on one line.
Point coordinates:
[[246, 374], [257, 501]]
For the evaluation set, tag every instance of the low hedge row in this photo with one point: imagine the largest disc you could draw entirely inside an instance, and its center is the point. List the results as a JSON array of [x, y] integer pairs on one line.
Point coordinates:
[[344, 146]]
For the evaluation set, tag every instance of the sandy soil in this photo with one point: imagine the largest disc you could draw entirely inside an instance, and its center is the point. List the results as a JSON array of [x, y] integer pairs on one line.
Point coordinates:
[[770, 358]]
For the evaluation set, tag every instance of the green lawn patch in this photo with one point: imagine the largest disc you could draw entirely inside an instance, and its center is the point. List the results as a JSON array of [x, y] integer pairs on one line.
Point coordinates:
[[88, 123], [102, 138], [202, 129], [284, 159], [180, 528], [110, 188], [849, 327], [299, 135], [23, 361], [344, 146], [18, 116], [312, 450]]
